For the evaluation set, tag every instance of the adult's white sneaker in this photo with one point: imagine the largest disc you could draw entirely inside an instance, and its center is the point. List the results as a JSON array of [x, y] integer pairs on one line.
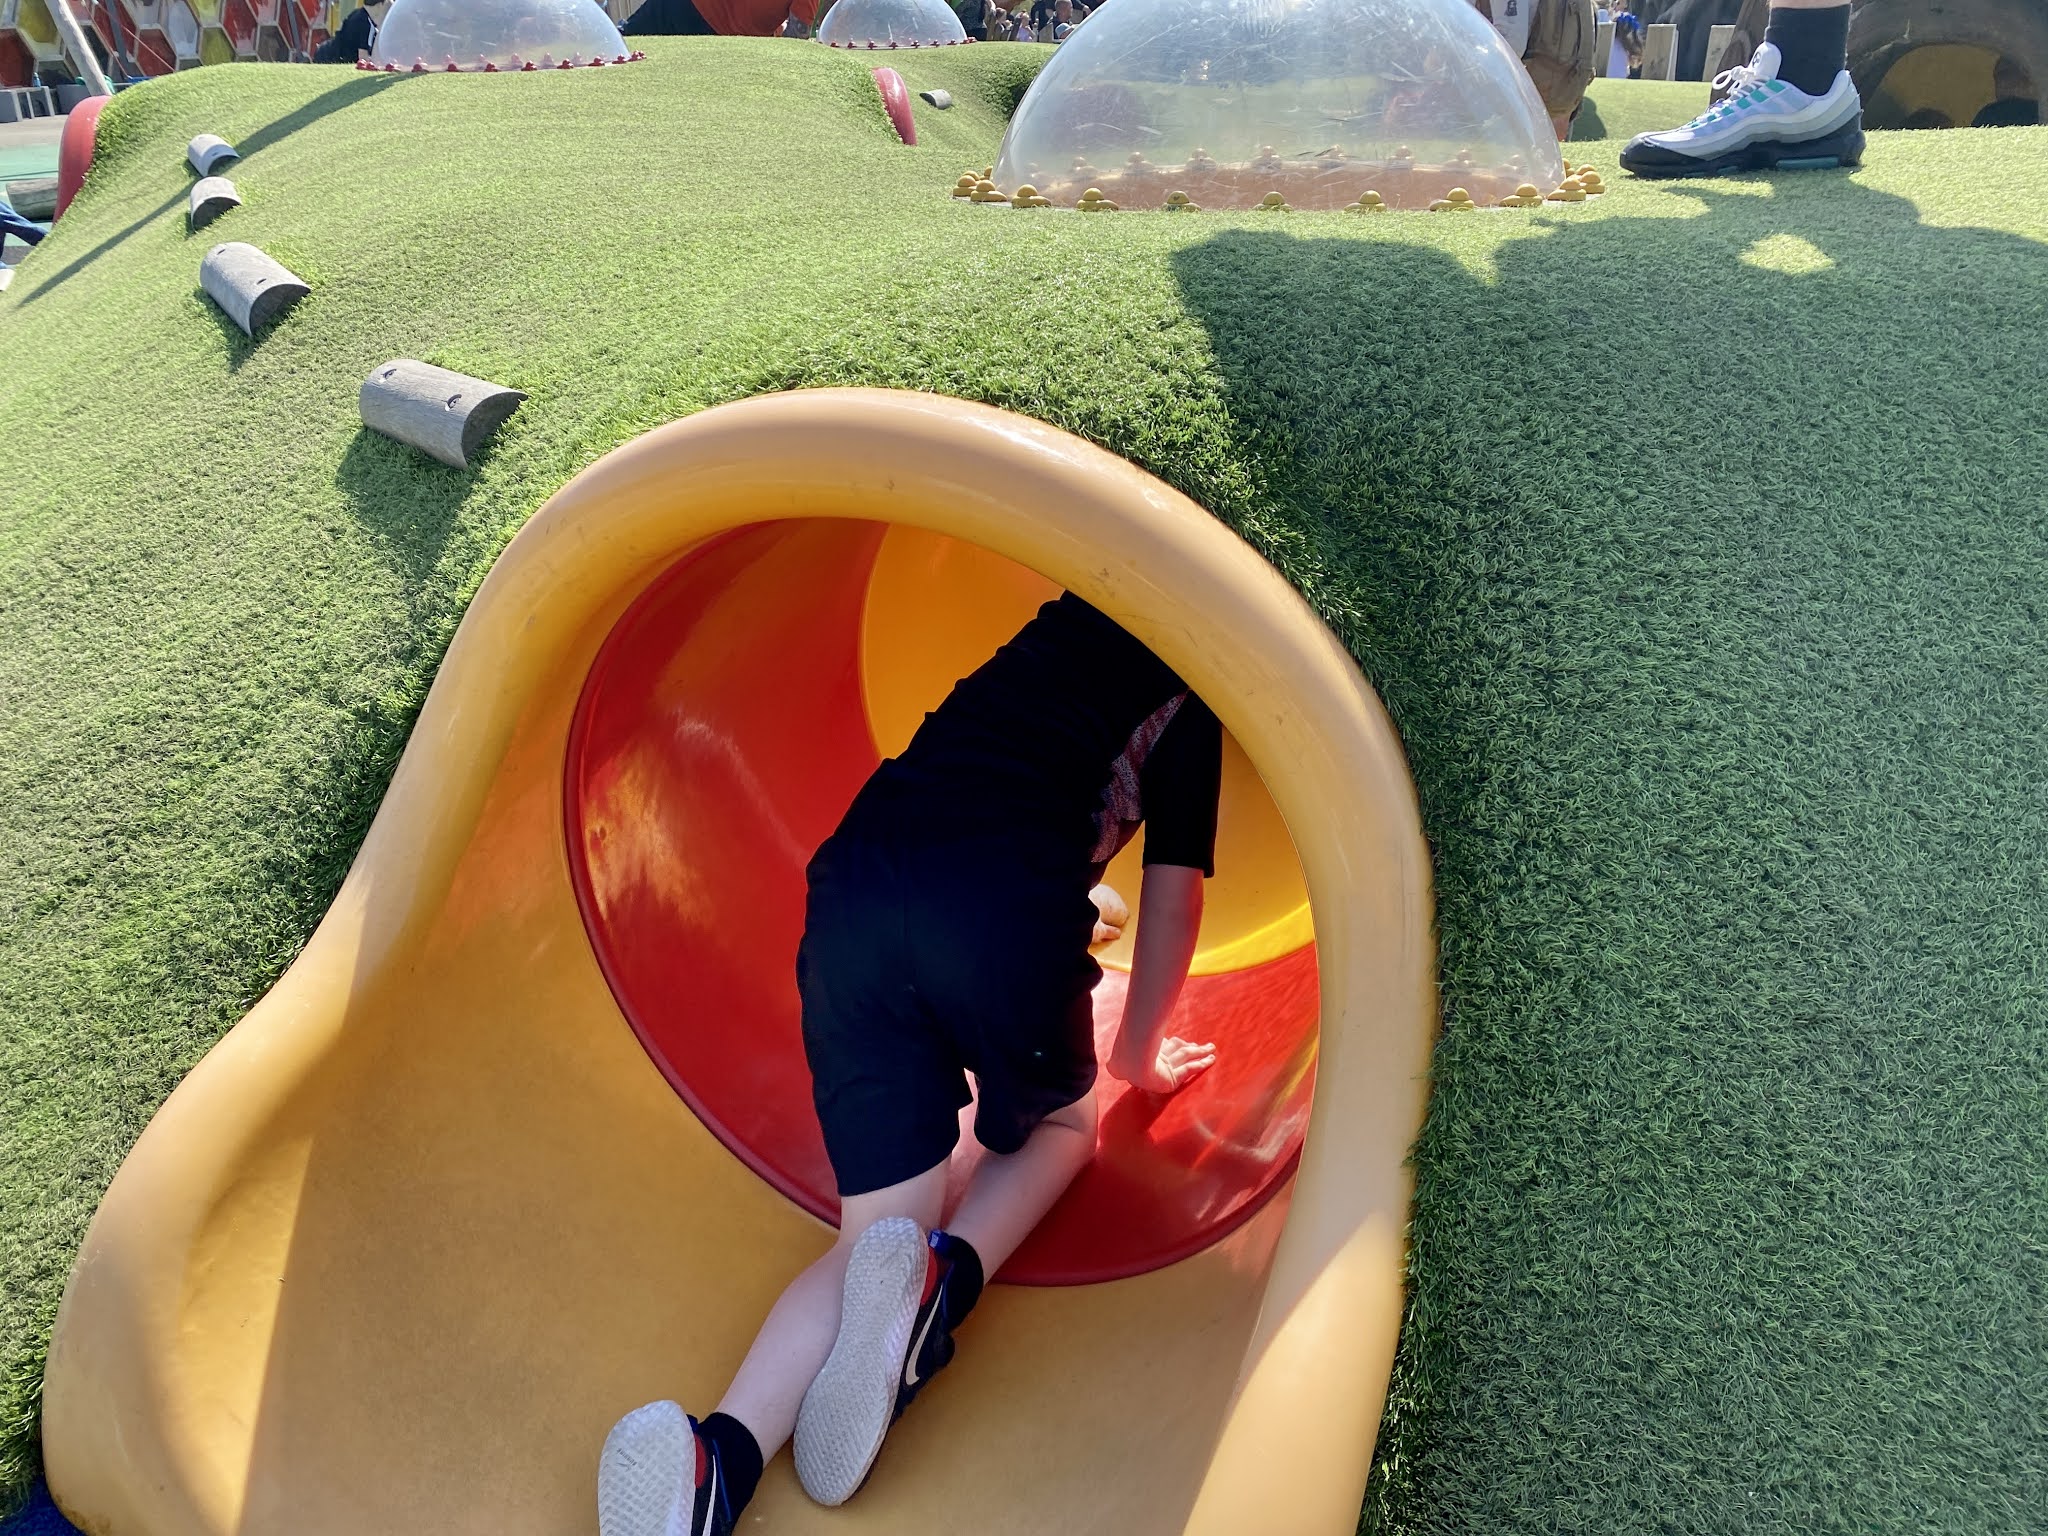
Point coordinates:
[[1761, 124]]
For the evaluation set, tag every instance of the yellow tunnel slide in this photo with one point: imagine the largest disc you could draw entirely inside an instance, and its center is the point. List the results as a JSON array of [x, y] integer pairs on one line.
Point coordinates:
[[521, 1139]]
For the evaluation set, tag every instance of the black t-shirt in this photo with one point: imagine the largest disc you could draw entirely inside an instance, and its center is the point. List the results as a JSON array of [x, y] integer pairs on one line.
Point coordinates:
[[351, 38], [1073, 733]]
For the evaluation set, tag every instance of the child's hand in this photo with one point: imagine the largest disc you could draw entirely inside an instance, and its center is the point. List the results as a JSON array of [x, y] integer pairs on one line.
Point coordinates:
[[1111, 913], [1177, 1063]]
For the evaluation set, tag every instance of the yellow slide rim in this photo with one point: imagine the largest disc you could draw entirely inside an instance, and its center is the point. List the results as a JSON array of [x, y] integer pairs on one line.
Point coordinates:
[[1297, 1438]]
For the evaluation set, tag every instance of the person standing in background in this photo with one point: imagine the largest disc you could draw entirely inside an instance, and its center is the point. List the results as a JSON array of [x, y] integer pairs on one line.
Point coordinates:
[[974, 17], [356, 36], [14, 226], [1555, 40], [722, 18], [1625, 53]]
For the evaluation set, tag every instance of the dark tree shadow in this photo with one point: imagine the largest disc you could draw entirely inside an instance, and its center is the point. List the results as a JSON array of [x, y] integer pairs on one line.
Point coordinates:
[[1686, 554], [1585, 325], [72, 268], [359, 87]]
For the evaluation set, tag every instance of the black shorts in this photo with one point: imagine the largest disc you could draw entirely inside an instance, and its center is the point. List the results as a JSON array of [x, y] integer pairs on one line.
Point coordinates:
[[924, 960]]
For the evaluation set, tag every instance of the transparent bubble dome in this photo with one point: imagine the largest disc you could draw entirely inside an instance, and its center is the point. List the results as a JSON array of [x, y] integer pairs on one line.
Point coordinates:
[[504, 34], [891, 24], [1318, 100]]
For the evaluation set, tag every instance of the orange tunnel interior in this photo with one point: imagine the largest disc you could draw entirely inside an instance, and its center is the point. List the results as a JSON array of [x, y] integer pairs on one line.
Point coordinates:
[[729, 719]]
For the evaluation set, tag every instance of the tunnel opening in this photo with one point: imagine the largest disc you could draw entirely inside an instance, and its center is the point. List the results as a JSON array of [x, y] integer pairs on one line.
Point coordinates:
[[1949, 63], [1953, 85], [433, 1181], [725, 724]]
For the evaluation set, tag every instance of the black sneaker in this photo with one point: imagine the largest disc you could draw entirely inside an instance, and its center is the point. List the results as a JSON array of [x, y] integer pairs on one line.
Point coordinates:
[[931, 1335], [659, 1477]]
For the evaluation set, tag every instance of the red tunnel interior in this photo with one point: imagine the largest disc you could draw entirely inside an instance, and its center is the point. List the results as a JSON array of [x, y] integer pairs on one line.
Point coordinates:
[[726, 724]]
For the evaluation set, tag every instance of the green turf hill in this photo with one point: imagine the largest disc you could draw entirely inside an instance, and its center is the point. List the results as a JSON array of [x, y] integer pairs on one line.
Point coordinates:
[[1621, 109], [1695, 538]]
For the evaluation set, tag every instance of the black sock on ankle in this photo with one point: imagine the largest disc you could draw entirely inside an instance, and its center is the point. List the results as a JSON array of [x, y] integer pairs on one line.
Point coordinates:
[[739, 1456], [963, 1286], [1815, 45]]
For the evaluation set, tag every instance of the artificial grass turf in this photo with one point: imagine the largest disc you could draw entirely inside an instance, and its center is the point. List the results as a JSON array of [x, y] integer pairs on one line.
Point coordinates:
[[1694, 537], [1621, 109]]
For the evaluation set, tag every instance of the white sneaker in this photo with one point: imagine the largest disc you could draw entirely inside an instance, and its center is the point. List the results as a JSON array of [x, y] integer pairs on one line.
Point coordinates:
[[656, 1478], [1762, 124], [891, 1278]]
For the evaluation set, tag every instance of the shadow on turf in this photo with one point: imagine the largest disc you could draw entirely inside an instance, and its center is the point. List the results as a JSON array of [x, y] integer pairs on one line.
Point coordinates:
[[1579, 307], [238, 346], [66, 273], [358, 88], [1585, 413], [1586, 125], [409, 501]]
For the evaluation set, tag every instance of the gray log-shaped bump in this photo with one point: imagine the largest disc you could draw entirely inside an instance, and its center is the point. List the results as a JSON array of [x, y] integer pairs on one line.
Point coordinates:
[[248, 285], [212, 196], [209, 151], [435, 410], [938, 98]]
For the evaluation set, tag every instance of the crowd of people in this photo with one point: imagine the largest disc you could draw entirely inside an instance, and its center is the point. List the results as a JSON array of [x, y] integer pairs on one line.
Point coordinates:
[[985, 21], [1041, 21]]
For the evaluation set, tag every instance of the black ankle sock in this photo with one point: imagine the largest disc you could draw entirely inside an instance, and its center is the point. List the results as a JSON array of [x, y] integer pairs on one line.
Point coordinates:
[[963, 1285], [739, 1457], [1815, 45]]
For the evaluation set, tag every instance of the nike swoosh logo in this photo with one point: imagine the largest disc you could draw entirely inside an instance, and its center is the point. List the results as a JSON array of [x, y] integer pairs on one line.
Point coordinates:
[[910, 1377], [711, 1508]]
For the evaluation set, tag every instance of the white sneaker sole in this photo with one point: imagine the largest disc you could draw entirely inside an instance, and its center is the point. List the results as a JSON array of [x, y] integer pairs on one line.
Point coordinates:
[[846, 1413], [647, 1476]]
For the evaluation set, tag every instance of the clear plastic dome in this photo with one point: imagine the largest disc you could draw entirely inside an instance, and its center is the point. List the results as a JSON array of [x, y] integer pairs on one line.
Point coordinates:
[[496, 34], [891, 24], [1318, 100]]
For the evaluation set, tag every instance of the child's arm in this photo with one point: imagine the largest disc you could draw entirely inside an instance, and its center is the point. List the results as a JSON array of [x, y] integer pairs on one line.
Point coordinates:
[[1169, 918]]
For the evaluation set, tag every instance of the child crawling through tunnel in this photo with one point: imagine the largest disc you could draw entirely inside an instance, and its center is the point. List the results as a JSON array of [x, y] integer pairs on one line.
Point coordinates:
[[948, 931]]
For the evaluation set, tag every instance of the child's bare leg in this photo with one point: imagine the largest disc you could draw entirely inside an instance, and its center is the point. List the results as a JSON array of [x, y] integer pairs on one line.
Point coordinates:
[[798, 1334], [907, 1289], [1009, 1195]]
